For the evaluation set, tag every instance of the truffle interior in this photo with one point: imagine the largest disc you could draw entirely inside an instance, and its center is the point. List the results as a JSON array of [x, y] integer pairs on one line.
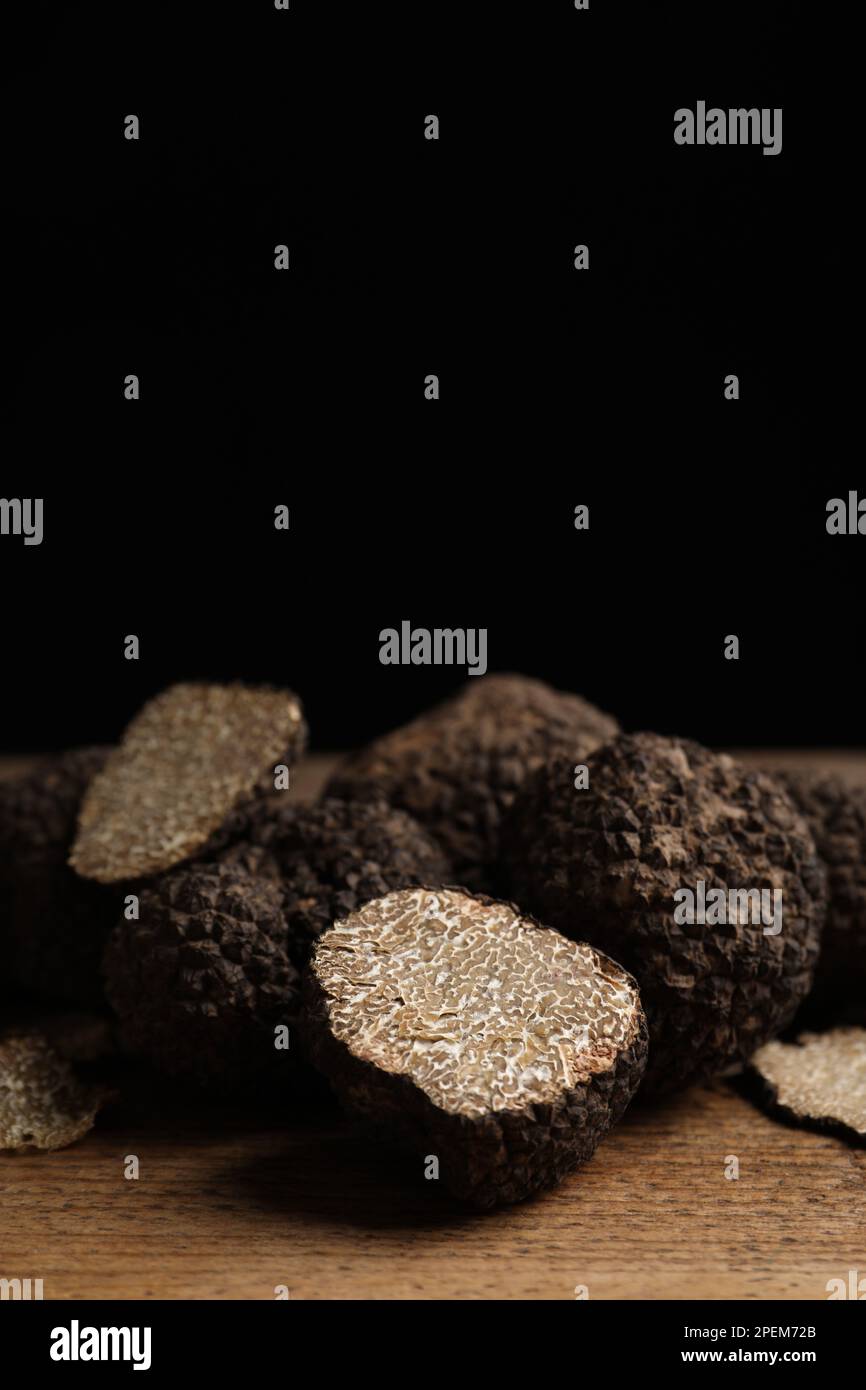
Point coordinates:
[[478, 1006]]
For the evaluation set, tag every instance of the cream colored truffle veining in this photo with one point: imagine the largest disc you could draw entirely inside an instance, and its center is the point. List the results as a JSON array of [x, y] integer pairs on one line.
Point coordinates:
[[481, 1009]]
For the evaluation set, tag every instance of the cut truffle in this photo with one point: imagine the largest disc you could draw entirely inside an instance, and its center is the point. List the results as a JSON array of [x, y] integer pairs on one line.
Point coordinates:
[[42, 1104], [459, 1028], [332, 857], [836, 814], [53, 925], [457, 768], [187, 761], [202, 980], [661, 815], [819, 1081]]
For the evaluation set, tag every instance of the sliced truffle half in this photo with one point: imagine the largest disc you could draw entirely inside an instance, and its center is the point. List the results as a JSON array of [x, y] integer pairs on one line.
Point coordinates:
[[187, 760], [819, 1081], [466, 1031]]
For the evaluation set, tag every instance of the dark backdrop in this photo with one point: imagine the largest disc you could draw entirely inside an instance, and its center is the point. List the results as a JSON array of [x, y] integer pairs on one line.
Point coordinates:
[[306, 388]]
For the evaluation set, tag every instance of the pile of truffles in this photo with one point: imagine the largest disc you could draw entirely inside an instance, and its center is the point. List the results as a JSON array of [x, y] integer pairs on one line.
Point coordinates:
[[473, 934]]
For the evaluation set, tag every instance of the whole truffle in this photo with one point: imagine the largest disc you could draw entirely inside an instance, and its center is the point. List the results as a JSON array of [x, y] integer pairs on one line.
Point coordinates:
[[202, 980], [53, 925], [463, 1030], [836, 814], [333, 856], [457, 768], [190, 758], [662, 815]]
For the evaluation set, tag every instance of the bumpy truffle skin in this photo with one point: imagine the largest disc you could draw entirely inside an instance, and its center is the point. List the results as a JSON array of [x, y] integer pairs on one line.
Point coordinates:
[[457, 768], [333, 856], [53, 925], [836, 814], [603, 865], [202, 979], [456, 1027]]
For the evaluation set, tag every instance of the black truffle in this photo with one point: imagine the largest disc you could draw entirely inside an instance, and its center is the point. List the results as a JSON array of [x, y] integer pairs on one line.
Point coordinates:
[[662, 815], [188, 760], [466, 1032], [457, 768], [836, 814], [53, 925], [333, 856], [202, 980]]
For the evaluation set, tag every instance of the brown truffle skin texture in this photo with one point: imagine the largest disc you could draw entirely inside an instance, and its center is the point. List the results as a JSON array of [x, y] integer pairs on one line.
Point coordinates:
[[836, 814], [603, 864], [489, 1156], [53, 925], [458, 767], [333, 856], [202, 979]]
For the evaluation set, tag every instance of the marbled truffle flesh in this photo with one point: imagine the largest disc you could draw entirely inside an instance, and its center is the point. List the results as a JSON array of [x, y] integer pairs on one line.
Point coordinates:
[[457, 768], [603, 864], [189, 758], [202, 980], [836, 814], [53, 925], [333, 856], [461, 1029], [819, 1081]]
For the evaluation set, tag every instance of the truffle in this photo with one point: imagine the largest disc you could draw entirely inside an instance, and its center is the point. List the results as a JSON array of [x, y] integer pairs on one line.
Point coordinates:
[[457, 768], [42, 1103], [662, 815], [819, 1081], [332, 857], [836, 814], [52, 923], [189, 758], [461, 1029], [202, 980]]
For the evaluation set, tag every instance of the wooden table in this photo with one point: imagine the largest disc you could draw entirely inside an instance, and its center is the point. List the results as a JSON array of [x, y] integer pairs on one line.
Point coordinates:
[[231, 1205]]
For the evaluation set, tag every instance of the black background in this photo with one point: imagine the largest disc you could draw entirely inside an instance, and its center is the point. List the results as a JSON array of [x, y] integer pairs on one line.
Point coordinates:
[[410, 257]]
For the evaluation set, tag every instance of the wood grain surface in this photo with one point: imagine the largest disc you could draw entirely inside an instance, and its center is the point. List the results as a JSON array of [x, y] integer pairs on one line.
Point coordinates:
[[234, 1204]]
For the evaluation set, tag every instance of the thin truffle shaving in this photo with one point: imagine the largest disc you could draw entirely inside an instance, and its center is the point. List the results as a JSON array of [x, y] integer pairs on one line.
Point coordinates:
[[42, 1103], [188, 758], [821, 1078]]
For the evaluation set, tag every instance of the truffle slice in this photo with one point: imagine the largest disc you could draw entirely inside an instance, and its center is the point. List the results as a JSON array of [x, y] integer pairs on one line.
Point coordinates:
[[836, 814], [457, 768], [463, 1030], [53, 925], [819, 1081], [202, 980], [332, 857], [187, 760], [603, 864], [42, 1104]]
